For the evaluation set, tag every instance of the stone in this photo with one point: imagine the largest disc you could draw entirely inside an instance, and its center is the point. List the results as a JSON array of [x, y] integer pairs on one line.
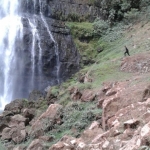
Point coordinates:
[[5, 134], [132, 123], [87, 96], [29, 113], [46, 138], [46, 121], [4, 122], [15, 106], [75, 93], [36, 145], [18, 120], [20, 148], [18, 135]]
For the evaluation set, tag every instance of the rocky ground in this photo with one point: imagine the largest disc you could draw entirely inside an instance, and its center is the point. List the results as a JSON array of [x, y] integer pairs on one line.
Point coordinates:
[[124, 123]]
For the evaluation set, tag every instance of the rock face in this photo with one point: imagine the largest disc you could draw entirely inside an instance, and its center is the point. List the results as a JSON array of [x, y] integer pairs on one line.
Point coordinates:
[[46, 51]]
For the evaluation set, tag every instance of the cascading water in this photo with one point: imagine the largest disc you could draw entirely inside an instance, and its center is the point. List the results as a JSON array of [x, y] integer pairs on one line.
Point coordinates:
[[21, 66], [10, 32]]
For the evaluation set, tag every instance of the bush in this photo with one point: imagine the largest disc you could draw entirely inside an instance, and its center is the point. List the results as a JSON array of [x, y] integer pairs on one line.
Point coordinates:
[[131, 16], [144, 3], [100, 27]]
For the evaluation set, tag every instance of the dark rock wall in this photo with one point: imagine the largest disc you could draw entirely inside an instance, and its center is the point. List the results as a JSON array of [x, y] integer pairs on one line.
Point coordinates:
[[46, 68], [74, 10]]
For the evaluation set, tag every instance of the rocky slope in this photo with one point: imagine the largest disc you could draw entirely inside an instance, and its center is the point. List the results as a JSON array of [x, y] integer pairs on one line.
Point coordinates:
[[105, 106], [122, 125]]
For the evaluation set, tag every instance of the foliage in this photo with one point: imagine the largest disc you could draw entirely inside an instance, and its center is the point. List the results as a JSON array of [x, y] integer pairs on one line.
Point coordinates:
[[100, 27], [144, 3], [131, 16], [2, 146], [54, 90], [76, 116], [81, 30], [65, 99], [84, 38], [144, 148]]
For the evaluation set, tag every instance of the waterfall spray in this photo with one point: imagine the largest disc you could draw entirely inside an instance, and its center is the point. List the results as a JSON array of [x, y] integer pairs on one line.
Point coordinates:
[[22, 59], [10, 29]]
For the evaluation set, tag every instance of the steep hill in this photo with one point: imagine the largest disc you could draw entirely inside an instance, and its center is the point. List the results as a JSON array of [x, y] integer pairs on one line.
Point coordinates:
[[105, 106]]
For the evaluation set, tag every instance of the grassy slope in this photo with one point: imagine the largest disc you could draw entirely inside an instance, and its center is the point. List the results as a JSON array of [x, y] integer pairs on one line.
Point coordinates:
[[105, 68]]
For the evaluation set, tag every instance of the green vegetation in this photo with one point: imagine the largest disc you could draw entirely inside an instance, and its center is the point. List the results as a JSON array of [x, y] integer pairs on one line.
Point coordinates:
[[100, 44], [2, 146], [76, 116], [144, 148]]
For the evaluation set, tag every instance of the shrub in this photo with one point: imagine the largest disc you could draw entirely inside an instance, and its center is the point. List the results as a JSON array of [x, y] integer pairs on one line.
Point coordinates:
[[144, 3], [131, 16], [100, 26]]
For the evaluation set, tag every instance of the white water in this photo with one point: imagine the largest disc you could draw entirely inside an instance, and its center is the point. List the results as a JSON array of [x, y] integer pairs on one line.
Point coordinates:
[[11, 67], [10, 30], [35, 36], [34, 33]]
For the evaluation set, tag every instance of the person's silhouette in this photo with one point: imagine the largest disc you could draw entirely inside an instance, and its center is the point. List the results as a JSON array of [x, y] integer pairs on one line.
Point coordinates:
[[126, 51]]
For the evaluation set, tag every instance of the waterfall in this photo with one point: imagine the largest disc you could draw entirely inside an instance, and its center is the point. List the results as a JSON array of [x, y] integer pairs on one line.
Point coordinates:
[[21, 65], [10, 33]]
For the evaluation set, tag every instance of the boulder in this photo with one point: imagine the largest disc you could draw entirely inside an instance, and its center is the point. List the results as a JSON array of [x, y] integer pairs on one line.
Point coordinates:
[[28, 113], [18, 136], [67, 142], [46, 138], [18, 120], [20, 148], [15, 134], [46, 121], [15, 106], [5, 134], [145, 133], [36, 145], [75, 93], [87, 96], [4, 122]]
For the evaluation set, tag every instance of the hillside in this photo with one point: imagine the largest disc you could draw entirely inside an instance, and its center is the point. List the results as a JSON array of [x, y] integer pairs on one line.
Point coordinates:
[[104, 106]]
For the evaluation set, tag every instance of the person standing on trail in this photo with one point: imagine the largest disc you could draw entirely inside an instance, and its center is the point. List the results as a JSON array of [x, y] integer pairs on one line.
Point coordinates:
[[126, 51]]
